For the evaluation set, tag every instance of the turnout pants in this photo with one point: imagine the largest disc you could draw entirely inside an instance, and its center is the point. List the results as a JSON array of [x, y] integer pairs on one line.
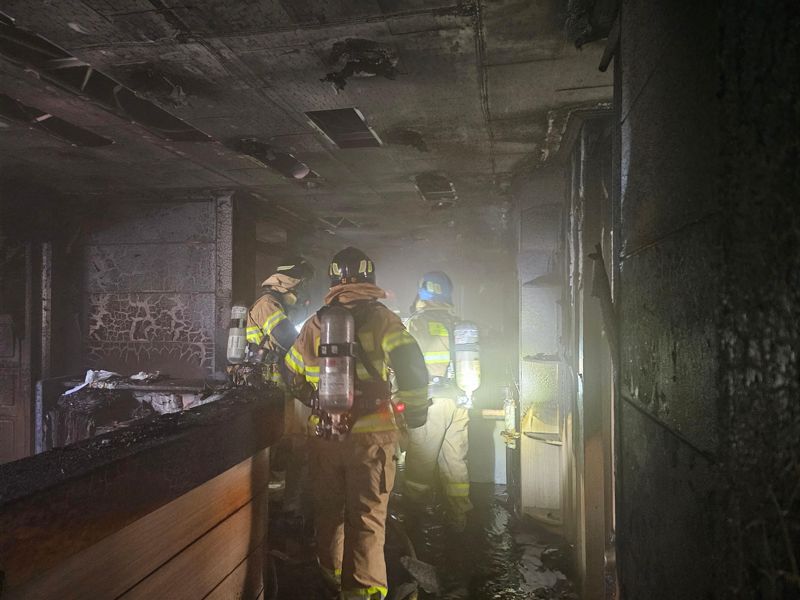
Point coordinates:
[[352, 482], [436, 456]]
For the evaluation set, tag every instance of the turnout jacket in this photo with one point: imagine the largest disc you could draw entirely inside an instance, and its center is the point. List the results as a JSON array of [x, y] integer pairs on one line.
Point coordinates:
[[384, 341], [267, 316], [432, 326]]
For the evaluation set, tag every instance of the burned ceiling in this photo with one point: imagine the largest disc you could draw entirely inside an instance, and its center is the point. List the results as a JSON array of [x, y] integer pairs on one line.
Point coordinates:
[[463, 88]]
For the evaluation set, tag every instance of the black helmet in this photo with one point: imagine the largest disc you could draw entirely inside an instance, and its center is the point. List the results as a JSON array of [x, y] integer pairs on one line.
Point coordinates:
[[351, 265], [296, 267]]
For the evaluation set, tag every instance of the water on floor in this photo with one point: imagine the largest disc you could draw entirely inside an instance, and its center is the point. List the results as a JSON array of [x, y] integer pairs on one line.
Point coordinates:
[[497, 557]]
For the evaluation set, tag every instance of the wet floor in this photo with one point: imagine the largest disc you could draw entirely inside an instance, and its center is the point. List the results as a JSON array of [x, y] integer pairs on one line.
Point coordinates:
[[497, 557]]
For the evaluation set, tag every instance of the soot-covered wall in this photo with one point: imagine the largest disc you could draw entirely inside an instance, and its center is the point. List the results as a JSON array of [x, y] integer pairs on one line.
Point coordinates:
[[759, 382], [156, 282], [667, 296], [709, 300]]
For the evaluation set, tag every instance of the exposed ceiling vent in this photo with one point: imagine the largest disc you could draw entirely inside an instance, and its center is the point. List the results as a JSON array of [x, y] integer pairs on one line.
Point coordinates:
[[283, 162], [79, 77], [34, 117], [345, 127], [437, 189]]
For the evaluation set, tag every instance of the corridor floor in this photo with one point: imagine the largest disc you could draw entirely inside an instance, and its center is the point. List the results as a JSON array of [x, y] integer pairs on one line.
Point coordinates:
[[498, 557]]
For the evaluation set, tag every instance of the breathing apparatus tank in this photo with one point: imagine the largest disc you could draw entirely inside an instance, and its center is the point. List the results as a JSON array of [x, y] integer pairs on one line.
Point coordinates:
[[466, 341], [337, 362], [237, 337]]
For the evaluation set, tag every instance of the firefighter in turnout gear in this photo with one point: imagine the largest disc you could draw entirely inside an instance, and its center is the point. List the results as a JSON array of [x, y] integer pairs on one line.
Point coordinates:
[[270, 333], [436, 455], [352, 462]]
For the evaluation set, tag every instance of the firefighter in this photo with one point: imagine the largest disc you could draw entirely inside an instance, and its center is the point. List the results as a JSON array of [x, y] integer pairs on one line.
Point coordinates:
[[270, 330], [353, 472], [436, 454]]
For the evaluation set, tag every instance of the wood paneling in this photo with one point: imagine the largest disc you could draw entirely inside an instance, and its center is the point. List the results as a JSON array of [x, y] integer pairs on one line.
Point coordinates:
[[246, 576], [208, 529], [62, 502], [201, 566]]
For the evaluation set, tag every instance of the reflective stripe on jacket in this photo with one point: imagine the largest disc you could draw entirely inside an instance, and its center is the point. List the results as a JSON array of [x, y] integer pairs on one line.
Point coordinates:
[[268, 318], [432, 326], [264, 316]]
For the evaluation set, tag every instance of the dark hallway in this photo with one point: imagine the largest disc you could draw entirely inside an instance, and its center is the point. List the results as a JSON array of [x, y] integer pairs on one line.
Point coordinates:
[[601, 199]]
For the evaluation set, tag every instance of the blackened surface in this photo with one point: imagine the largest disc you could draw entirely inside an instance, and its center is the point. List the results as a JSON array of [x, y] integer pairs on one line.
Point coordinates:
[[738, 272], [223, 280], [61, 501], [668, 121], [759, 379], [158, 331], [151, 282], [77, 416], [668, 299], [124, 268], [666, 513], [669, 357], [154, 223]]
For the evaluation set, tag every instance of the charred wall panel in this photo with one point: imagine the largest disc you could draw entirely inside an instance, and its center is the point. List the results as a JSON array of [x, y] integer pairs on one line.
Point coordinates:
[[151, 285], [759, 381], [667, 296]]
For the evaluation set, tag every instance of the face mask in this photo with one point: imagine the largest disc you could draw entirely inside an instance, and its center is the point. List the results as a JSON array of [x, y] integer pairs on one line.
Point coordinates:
[[290, 298]]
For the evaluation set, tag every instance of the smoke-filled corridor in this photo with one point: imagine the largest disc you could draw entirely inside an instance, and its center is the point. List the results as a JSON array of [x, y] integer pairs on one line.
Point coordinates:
[[393, 299]]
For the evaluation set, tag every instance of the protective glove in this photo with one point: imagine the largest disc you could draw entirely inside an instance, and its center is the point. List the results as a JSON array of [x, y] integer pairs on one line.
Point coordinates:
[[305, 393], [416, 416]]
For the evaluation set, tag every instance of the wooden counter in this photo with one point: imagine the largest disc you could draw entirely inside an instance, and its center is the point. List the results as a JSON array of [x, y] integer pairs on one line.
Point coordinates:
[[174, 507]]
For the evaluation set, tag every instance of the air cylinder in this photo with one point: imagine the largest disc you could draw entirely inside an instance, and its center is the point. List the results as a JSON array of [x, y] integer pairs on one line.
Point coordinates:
[[467, 354], [337, 360], [237, 336]]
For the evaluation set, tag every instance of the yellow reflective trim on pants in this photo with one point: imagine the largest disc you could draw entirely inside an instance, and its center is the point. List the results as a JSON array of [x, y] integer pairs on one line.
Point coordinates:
[[294, 361], [436, 358], [457, 490], [395, 340], [365, 592]]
